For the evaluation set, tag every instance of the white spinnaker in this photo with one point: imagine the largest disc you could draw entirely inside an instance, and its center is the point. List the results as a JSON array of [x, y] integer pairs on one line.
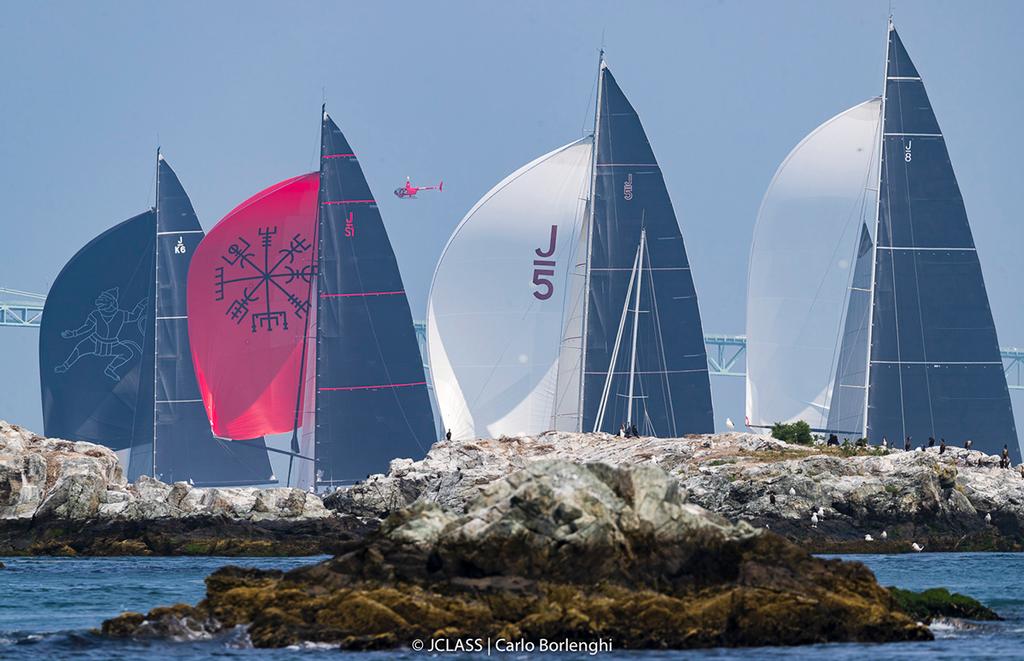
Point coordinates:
[[801, 263], [493, 345]]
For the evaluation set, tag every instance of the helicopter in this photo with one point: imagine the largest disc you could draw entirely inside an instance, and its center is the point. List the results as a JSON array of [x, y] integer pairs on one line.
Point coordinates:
[[408, 191]]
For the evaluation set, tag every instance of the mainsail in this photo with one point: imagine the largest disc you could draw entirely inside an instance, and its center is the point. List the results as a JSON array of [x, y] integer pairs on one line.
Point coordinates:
[[527, 319], [248, 302], [664, 377], [115, 362], [372, 403], [801, 259], [935, 368]]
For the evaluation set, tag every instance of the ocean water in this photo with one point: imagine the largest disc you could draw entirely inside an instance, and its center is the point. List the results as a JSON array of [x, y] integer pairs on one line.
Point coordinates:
[[49, 605]]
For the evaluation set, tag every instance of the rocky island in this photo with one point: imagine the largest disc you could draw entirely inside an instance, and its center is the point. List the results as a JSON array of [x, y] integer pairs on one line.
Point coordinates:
[[60, 497], [557, 550], [64, 498]]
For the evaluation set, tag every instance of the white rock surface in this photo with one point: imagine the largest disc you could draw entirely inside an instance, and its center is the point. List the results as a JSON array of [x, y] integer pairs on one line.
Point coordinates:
[[51, 478]]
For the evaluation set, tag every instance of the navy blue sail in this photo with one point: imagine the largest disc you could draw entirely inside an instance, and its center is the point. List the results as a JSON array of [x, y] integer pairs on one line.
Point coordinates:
[[666, 378], [96, 340], [185, 448], [371, 394], [846, 407], [935, 367]]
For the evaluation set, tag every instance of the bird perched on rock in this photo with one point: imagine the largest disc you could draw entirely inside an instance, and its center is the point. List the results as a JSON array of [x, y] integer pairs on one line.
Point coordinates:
[[771, 498], [792, 491], [917, 547], [884, 535], [729, 424], [814, 520], [988, 517], [868, 538], [821, 512]]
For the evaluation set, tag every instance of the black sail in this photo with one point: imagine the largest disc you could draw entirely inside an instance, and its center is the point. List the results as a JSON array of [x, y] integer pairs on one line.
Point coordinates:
[[935, 367], [185, 446], [846, 406], [96, 341], [672, 392], [372, 403]]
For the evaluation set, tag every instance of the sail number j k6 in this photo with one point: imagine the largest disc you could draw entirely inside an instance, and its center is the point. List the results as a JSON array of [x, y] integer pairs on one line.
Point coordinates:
[[543, 269]]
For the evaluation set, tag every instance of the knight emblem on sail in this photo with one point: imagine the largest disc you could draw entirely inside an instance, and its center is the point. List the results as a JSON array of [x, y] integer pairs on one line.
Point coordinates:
[[266, 283], [103, 330]]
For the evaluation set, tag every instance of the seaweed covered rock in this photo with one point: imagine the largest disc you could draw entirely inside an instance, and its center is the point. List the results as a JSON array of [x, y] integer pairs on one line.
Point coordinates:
[[557, 550], [940, 602]]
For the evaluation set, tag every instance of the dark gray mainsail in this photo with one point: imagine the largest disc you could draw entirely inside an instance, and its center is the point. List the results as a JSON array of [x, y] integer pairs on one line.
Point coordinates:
[[846, 406], [935, 368], [644, 356]]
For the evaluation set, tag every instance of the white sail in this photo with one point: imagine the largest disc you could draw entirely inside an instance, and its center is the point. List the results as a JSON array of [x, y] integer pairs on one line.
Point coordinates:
[[801, 263], [503, 296]]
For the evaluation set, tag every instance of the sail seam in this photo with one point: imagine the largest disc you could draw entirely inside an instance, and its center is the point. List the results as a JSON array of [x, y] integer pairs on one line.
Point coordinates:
[[367, 293], [373, 387], [180, 232], [935, 362], [349, 202]]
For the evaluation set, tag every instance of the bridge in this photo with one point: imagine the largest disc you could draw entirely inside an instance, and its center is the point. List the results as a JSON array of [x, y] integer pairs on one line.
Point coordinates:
[[726, 353]]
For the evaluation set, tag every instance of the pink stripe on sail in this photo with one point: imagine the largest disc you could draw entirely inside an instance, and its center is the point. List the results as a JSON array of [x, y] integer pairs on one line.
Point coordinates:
[[384, 385], [365, 293], [352, 202]]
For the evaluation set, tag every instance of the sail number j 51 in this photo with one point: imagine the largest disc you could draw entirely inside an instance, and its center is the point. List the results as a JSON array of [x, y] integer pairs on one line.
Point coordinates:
[[543, 269]]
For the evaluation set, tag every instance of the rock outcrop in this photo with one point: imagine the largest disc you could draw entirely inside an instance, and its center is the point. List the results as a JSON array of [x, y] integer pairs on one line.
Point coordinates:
[[557, 550], [64, 497], [937, 501]]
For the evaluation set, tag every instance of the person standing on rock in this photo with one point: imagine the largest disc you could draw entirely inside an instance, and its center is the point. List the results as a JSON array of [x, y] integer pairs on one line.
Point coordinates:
[[942, 446], [906, 444], [931, 441], [448, 435], [633, 432], [1004, 458], [622, 430], [885, 443]]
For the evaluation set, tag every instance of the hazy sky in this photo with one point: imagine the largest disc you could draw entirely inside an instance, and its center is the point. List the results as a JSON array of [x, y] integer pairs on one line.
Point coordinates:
[[468, 92]]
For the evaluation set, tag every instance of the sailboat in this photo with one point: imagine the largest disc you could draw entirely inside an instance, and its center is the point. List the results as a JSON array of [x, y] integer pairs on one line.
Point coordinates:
[[114, 357], [867, 312], [564, 299], [300, 323]]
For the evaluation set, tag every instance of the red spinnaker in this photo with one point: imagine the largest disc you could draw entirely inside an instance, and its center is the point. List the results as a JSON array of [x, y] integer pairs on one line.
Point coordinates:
[[248, 306]]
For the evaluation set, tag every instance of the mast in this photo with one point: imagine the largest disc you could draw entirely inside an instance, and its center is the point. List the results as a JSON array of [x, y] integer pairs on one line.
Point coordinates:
[[874, 243], [636, 323], [590, 237], [156, 296]]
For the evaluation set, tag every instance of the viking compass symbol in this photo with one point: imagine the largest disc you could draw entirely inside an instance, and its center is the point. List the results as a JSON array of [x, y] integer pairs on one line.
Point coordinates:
[[265, 282]]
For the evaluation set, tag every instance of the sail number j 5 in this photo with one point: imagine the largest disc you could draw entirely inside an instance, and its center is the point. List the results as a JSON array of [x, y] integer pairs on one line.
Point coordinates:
[[543, 269]]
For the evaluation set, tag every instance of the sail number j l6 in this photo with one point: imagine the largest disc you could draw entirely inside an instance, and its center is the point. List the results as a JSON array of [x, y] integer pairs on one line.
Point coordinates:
[[543, 269]]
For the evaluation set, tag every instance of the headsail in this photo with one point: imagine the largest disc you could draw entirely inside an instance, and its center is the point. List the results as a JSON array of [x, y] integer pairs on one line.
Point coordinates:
[[801, 260], [846, 401], [96, 341], [372, 404], [248, 299], [500, 296], [669, 377], [935, 368], [185, 446]]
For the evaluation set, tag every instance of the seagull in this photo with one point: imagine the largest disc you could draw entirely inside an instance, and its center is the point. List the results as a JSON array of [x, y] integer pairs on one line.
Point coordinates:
[[988, 517], [729, 425], [814, 520], [821, 512], [884, 535], [868, 538], [917, 547], [792, 491]]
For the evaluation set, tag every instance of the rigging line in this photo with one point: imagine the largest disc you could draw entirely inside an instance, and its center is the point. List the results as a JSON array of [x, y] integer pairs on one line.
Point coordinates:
[[313, 273], [662, 356]]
